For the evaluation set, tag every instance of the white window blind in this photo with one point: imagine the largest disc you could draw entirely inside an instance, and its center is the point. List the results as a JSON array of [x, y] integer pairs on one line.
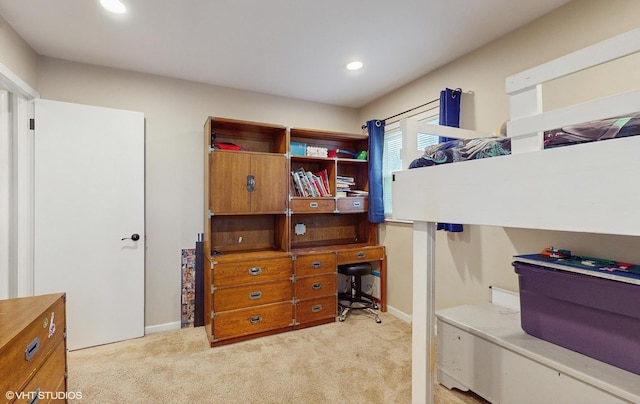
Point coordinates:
[[391, 156]]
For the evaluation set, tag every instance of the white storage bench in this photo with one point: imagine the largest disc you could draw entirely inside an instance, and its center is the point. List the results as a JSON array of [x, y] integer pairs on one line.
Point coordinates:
[[482, 348]]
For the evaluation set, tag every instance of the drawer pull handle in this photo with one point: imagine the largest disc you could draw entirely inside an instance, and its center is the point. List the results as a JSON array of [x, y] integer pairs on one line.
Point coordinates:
[[32, 348], [251, 183], [36, 396], [255, 295], [255, 319], [361, 254], [316, 264], [255, 271], [317, 308], [313, 204], [356, 204], [316, 286]]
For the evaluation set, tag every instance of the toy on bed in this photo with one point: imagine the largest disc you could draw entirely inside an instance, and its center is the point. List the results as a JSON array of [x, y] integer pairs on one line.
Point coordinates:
[[463, 150], [611, 128]]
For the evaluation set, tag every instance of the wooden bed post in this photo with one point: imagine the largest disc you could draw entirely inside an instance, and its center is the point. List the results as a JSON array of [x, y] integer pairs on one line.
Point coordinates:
[[423, 343]]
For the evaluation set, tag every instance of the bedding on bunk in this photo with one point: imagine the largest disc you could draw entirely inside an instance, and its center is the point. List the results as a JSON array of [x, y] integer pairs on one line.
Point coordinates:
[[463, 150], [610, 128]]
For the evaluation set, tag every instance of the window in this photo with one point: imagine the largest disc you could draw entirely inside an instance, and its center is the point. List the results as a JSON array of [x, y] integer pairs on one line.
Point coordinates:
[[392, 160]]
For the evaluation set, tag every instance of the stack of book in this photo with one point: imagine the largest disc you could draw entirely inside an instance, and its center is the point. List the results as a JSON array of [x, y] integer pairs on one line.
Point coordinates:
[[308, 184], [343, 185]]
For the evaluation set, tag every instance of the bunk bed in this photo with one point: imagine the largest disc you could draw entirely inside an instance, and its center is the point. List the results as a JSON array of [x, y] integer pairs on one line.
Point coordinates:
[[569, 188]]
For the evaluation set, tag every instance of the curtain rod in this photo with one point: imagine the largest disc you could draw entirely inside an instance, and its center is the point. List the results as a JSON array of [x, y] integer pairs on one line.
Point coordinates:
[[456, 91]]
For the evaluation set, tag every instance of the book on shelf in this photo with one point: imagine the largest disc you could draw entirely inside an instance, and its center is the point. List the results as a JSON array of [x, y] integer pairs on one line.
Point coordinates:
[[308, 184], [357, 192]]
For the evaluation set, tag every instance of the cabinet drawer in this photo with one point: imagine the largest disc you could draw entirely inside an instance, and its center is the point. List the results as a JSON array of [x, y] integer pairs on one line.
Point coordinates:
[[314, 264], [312, 205], [364, 254], [353, 204], [237, 323], [316, 309], [252, 295], [316, 286], [244, 272], [49, 377], [29, 349]]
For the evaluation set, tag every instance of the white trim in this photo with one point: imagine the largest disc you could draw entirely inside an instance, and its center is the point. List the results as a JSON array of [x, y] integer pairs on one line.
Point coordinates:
[[21, 184], [504, 298], [16, 85], [399, 314], [154, 329], [24, 163], [6, 205]]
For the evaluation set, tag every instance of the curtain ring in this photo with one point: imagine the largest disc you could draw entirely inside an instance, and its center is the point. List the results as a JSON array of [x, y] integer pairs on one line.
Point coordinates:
[[378, 123], [456, 92]]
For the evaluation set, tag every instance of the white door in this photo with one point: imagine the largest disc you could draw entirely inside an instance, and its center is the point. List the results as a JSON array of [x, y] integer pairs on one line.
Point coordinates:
[[89, 202]]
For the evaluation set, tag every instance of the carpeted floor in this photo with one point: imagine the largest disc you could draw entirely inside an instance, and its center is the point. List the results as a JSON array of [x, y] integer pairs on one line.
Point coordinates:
[[357, 361]]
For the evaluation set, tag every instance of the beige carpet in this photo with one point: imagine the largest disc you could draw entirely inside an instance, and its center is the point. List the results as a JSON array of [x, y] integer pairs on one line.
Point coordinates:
[[357, 361]]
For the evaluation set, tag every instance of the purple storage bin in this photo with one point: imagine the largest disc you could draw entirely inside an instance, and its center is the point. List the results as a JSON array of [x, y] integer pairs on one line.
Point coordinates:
[[597, 317]]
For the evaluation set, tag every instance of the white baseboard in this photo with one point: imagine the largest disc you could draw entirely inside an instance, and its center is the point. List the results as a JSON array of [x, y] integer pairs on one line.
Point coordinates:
[[399, 314], [504, 298], [152, 329]]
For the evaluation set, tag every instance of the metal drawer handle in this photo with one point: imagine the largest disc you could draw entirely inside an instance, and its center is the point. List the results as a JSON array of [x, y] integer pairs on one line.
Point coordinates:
[[32, 348], [356, 204], [255, 319], [36, 397], [317, 308], [316, 286], [255, 271], [361, 254], [255, 295], [251, 183], [316, 264], [313, 204]]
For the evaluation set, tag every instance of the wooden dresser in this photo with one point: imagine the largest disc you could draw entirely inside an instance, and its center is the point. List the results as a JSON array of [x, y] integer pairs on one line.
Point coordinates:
[[33, 350], [277, 223]]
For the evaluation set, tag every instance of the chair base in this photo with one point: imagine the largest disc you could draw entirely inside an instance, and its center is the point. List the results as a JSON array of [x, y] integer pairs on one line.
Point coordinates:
[[347, 303]]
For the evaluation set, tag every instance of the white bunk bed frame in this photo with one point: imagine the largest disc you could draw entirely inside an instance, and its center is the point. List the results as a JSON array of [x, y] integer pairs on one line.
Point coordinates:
[[537, 189]]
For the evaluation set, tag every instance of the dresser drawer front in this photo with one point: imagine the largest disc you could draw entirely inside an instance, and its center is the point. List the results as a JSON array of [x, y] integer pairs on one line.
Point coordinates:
[[49, 377], [31, 347], [312, 205], [316, 286], [308, 311], [245, 272], [353, 204], [252, 295], [315, 264], [238, 323], [365, 254]]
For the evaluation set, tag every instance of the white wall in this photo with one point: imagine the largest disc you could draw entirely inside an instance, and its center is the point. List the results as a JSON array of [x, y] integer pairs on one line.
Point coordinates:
[[175, 112], [468, 263]]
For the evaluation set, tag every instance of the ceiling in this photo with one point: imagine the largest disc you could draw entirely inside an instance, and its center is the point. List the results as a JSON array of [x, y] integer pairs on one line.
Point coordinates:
[[291, 48]]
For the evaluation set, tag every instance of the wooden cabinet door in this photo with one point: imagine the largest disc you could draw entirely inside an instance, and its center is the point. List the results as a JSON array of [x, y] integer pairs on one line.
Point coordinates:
[[271, 183], [228, 173]]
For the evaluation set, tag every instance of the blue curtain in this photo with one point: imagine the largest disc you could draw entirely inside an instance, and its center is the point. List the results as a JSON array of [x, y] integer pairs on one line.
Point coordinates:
[[450, 116], [449, 109], [375, 128]]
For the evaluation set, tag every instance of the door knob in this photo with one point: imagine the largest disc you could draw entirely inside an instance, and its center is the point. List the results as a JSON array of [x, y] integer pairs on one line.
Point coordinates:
[[134, 237]]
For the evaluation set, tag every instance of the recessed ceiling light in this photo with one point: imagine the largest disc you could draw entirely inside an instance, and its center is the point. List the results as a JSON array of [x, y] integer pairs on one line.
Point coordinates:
[[115, 6], [355, 65]]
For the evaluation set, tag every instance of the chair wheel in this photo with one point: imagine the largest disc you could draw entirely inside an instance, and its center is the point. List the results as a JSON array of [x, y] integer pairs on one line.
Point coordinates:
[[375, 306], [341, 318], [378, 321]]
